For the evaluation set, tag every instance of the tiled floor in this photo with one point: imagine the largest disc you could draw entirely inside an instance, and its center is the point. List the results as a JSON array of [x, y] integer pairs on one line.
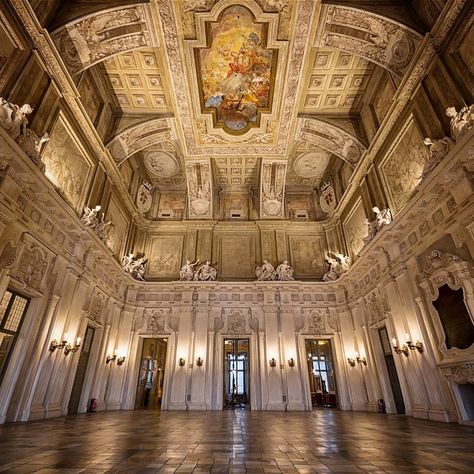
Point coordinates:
[[241, 441]]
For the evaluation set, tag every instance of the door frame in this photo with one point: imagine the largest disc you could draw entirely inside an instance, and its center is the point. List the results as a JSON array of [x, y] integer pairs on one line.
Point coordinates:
[[168, 368]]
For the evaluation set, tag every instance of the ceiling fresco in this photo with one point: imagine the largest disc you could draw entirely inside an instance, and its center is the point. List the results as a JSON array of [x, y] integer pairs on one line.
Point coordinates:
[[236, 71], [240, 94]]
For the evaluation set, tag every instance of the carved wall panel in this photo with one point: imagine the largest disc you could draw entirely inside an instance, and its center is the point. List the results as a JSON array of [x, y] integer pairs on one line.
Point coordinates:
[[118, 228], [90, 40], [236, 256], [67, 165], [306, 256], [33, 264], [320, 322], [199, 180], [165, 254], [235, 206], [355, 228], [172, 205], [90, 96], [272, 189], [403, 165]]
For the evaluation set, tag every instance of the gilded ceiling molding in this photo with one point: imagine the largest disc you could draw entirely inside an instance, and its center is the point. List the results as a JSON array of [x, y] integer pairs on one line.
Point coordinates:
[[331, 138], [140, 136], [98, 36], [385, 42], [201, 138]]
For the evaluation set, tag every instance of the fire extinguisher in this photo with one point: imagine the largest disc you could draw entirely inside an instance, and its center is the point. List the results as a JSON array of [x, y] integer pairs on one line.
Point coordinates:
[[93, 405]]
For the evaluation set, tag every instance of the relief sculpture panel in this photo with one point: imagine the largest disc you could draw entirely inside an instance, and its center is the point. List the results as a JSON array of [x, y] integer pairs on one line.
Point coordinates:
[[165, 256], [355, 229], [306, 256], [403, 166], [66, 165]]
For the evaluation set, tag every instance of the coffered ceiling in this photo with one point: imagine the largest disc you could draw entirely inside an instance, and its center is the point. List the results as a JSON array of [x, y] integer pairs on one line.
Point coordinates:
[[238, 82]]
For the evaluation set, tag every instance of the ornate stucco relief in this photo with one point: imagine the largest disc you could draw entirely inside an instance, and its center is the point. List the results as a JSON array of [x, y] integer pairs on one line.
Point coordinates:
[[272, 189], [383, 41], [402, 168], [89, 40], [199, 181], [67, 165], [331, 138], [140, 136]]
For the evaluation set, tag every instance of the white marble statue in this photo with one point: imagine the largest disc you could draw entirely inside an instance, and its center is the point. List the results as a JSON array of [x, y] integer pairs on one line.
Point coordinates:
[[134, 265], [187, 271], [334, 271], [284, 272], [89, 217], [338, 264], [102, 227], [205, 272], [382, 218], [438, 149], [266, 272], [32, 145], [13, 118], [461, 122]]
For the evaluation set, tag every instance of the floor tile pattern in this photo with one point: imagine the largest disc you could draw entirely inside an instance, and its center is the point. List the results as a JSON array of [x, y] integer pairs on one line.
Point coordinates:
[[324, 441]]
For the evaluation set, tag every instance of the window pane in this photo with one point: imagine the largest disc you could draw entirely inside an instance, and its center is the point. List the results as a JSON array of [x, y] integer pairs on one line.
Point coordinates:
[[6, 341], [4, 303], [16, 313]]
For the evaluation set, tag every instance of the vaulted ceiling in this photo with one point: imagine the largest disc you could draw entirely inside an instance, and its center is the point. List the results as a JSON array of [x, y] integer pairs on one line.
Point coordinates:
[[238, 82]]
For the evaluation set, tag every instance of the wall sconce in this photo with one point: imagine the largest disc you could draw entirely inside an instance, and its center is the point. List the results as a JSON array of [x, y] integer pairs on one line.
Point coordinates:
[[400, 350], [273, 362], [181, 362], [69, 348], [361, 360], [199, 362], [111, 358], [351, 361], [64, 344], [418, 344], [291, 362], [120, 360]]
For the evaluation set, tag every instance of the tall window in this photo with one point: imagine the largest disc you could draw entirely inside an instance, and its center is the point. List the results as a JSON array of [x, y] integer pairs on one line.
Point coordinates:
[[12, 311]]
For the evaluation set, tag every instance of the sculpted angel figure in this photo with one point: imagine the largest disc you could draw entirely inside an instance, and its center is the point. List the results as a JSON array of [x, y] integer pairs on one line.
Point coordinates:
[[138, 271], [284, 272], [266, 272], [461, 122], [187, 271], [438, 150], [205, 272], [334, 271], [13, 118], [127, 262], [89, 217], [382, 217], [102, 227]]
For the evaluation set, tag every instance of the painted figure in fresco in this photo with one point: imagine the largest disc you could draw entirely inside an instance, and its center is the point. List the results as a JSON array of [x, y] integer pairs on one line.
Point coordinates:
[[236, 69]]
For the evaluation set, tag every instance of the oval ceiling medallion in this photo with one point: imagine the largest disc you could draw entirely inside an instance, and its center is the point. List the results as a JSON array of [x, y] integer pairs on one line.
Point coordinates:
[[161, 163], [311, 164]]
